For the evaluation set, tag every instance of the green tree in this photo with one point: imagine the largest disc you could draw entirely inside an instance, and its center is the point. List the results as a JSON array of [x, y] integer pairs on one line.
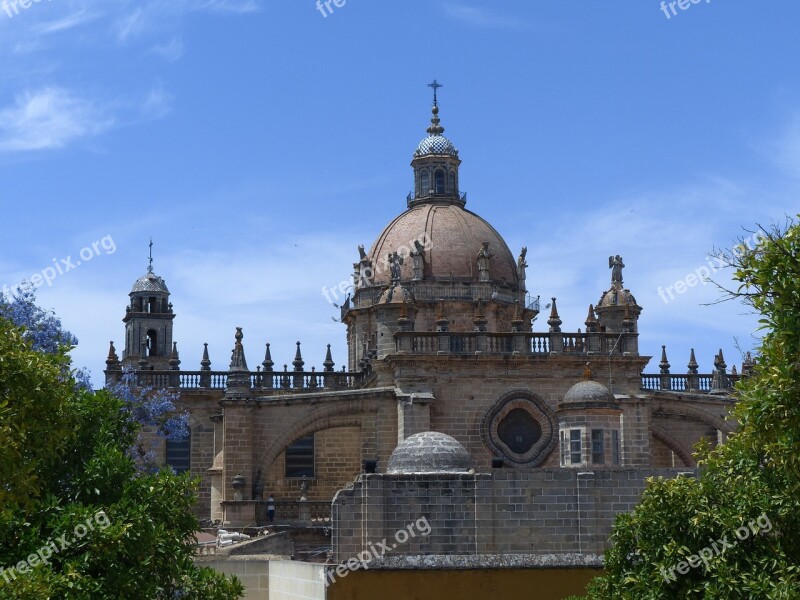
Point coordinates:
[[77, 519], [734, 532]]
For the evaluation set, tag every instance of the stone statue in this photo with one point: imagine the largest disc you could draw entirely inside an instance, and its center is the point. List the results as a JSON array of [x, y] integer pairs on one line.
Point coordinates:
[[395, 262], [417, 256], [483, 262], [616, 265], [364, 266], [521, 266], [303, 489]]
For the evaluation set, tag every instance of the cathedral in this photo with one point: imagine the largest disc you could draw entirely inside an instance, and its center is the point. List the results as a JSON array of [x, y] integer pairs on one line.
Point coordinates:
[[448, 391]]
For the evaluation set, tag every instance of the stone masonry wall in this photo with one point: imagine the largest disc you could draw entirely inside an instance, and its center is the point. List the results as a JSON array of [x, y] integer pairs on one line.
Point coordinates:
[[542, 511]]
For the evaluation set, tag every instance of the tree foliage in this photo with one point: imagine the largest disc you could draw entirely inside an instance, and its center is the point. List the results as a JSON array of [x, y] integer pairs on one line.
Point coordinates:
[[752, 482], [78, 519]]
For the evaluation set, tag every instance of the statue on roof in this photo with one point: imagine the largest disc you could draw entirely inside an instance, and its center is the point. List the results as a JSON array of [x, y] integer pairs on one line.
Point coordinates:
[[364, 268], [521, 266], [395, 262], [417, 257], [483, 262], [616, 265]]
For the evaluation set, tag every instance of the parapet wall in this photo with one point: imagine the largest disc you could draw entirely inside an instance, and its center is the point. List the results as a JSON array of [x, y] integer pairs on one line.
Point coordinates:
[[507, 511]]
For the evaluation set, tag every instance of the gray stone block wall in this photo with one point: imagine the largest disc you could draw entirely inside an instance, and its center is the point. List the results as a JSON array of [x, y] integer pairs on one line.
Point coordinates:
[[509, 511]]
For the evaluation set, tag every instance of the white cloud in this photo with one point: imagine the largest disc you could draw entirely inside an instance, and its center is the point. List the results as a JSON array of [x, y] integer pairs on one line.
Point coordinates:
[[50, 117], [66, 23], [480, 17], [171, 50], [156, 104]]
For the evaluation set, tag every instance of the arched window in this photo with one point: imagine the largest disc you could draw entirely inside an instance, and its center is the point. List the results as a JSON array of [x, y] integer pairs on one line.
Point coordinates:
[[424, 183], [439, 181], [300, 457], [178, 454], [152, 342]]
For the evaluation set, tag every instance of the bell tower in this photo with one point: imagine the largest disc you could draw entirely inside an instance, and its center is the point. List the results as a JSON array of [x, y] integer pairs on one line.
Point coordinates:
[[148, 323]]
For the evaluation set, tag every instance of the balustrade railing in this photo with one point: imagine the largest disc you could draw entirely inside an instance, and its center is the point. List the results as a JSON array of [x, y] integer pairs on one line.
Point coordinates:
[[259, 380], [470, 342], [685, 383]]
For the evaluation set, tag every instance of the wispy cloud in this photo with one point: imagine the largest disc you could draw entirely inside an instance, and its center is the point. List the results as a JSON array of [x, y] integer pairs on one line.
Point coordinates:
[[171, 50], [231, 6], [785, 149], [68, 22], [157, 103], [480, 17], [48, 118]]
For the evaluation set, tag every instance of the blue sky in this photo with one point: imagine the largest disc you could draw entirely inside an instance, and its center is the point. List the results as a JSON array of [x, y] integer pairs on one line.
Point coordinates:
[[259, 143]]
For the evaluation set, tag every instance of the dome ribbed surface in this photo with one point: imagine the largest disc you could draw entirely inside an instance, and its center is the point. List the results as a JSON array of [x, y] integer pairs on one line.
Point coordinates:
[[588, 391], [429, 452], [453, 236], [436, 144], [149, 283]]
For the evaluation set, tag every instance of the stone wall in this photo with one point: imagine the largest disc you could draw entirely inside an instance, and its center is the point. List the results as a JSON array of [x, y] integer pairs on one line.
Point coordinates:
[[507, 511]]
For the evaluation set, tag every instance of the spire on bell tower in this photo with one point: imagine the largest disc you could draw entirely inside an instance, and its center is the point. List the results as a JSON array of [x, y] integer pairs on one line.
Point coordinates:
[[150, 265]]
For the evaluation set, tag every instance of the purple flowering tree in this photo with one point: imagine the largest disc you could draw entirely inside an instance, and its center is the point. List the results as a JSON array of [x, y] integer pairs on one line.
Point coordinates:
[[145, 407]]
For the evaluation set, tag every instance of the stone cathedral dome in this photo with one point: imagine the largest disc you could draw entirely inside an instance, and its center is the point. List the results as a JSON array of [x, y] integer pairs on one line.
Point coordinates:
[[453, 236]]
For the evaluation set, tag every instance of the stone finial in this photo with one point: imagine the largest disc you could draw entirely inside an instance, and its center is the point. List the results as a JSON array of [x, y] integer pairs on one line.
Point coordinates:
[[554, 321], [664, 364], [403, 322], [238, 361], [734, 372], [591, 321], [748, 364], [205, 363], [112, 362], [268, 364], [174, 358], [692, 364], [298, 359], [328, 362], [627, 321], [720, 364]]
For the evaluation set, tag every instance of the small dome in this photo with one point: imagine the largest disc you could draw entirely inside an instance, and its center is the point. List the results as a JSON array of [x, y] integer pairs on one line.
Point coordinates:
[[396, 294], [436, 144], [616, 296], [429, 452], [149, 283], [588, 391]]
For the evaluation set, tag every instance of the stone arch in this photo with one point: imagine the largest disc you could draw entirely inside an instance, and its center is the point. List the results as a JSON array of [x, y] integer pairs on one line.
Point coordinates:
[[706, 417], [670, 442], [325, 418]]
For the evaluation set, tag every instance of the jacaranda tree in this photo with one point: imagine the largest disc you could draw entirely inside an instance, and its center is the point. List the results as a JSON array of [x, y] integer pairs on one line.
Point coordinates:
[[78, 518]]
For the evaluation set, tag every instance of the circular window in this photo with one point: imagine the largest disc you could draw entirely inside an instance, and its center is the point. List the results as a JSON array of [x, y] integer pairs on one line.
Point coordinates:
[[521, 428]]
